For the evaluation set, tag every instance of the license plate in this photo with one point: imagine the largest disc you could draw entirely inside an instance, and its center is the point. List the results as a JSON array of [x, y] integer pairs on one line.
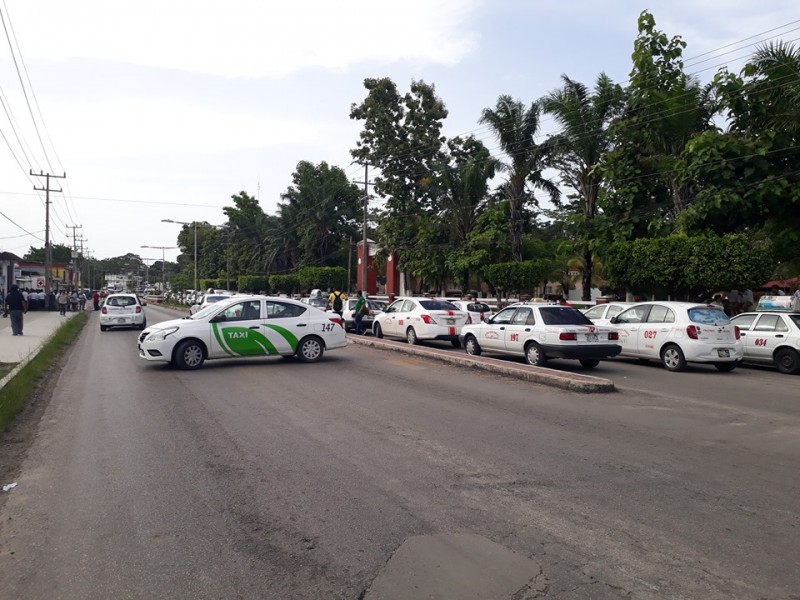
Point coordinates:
[[121, 320], [591, 337], [724, 353], [451, 321]]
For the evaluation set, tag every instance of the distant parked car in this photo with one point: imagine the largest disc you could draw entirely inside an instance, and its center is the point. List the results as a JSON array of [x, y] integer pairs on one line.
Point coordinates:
[[416, 319], [478, 311], [207, 299], [349, 315], [602, 314]]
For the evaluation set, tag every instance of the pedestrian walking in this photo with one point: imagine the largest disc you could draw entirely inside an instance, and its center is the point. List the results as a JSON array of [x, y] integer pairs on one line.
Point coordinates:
[[73, 301], [336, 302], [16, 306], [63, 301], [82, 301], [360, 310]]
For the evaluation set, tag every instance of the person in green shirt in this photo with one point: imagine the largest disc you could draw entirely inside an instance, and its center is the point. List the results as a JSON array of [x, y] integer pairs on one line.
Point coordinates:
[[360, 310]]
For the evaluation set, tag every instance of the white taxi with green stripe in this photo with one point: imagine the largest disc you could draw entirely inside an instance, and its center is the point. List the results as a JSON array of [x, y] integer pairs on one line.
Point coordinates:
[[244, 326]]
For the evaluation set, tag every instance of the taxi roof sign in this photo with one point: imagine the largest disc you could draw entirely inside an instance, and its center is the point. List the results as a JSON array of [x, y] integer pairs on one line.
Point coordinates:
[[778, 303]]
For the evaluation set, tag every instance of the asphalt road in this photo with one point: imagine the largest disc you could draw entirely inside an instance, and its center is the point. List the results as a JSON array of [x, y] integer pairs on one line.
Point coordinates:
[[270, 478]]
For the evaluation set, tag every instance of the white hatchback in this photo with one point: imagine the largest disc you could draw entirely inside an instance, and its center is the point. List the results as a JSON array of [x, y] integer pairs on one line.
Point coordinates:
[[539, 332], [122, 310], [415, 319], [478, 311], [771, 335], [244, 326], [677, 333]]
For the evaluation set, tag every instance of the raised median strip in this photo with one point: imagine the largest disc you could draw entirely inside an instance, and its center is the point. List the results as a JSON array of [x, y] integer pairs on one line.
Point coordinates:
[[573, 382]]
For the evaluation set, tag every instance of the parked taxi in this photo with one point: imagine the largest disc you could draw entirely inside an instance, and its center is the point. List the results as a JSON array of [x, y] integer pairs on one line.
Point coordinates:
[[539, 332], [416, 319], [601, 314], [677, 333], [771, 334], [244, 326]]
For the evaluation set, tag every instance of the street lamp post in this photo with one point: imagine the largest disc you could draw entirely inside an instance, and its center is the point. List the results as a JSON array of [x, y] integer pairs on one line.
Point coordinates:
[[194, 224], [163, 265]]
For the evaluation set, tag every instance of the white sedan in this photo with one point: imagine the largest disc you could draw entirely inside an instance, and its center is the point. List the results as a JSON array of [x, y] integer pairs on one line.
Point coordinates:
[[415, 319], [771, 337], [601, 314], [539, 332], [677, 333], [244, 326]]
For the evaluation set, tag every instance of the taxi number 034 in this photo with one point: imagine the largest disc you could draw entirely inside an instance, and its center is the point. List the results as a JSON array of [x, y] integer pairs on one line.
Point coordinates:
[[761, 342]]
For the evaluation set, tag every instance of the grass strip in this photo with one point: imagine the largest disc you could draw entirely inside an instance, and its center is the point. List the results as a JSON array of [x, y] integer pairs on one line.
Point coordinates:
[[17, 393]]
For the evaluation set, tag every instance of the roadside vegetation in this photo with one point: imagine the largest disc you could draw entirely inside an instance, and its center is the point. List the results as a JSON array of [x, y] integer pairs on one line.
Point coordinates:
[[25, 384], [571, 181]]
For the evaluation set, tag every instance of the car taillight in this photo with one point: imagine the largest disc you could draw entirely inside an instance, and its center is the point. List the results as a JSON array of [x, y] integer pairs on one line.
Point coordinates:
[[104, 310], [737, 331], [339, 321], [427, 319], [567, 337], [138, 309], [613, 335], [469, 319], [692, 331]]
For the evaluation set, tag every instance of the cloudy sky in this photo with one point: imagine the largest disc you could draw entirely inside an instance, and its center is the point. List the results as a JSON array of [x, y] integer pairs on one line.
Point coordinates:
[[165, 109]]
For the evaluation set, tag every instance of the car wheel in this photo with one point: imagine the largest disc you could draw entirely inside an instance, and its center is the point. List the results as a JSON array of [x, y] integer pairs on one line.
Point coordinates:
[[726, 366], [377, 331], [672, 358], [189, 355], [103, 328], [143, 326], [456, 343], [411, 336], [589, 363], [310, 349], [471, 346], [534, 355], [787, 361]]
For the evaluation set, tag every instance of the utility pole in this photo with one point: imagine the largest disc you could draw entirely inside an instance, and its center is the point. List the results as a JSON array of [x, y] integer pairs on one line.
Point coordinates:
[[48, 251], [75, 276], [365, 245]]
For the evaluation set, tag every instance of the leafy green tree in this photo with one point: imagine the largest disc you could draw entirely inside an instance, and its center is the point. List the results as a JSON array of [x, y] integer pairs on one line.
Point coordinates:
[[580, 144], [401, 137], [324, 209], [285, 284], [517, 277], [516, 127], [324, 278], [59, 252]]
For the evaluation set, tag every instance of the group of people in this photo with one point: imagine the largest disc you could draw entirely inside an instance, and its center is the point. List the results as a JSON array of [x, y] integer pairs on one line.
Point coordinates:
[[19, 301], [736, 302]]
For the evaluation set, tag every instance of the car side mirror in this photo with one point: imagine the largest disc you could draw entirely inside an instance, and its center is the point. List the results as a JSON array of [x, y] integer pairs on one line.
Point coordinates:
[[219, 318], [613, 320]]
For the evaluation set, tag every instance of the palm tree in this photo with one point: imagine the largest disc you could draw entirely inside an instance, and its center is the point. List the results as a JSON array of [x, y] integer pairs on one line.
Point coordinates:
[[584, 118], [515, 128]]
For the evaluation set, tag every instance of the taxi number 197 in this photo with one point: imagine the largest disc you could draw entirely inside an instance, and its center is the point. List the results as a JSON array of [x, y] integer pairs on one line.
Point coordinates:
[[650, 335]]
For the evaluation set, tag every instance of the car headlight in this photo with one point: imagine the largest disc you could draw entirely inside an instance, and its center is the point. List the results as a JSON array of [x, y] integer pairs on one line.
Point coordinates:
[[161, 334]]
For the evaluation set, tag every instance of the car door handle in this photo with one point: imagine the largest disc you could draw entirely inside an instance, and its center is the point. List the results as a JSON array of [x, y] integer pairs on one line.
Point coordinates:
[[502, 328], [779, 335], [742, 334], [254, 326], [301, 324], [527, 329]]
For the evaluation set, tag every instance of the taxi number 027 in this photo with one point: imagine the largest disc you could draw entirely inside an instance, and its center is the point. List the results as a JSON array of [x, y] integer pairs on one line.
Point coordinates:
[[650, 335]]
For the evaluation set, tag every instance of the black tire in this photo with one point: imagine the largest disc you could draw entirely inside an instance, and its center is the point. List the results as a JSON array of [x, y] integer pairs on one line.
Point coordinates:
[[726, 367], [310, 349], [411, 336], [377, 331], [189, 355], [456, 343], [103, 328], [471, 346], [143, 326], [787, 361], [534, 355], [672, 358], [589, 363]]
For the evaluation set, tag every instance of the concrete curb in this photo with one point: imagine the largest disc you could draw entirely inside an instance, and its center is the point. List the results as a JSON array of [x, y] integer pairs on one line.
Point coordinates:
[[33, 353], [573, 382]]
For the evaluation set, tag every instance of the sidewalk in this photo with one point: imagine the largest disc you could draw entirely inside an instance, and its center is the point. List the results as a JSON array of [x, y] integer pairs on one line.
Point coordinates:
[[38, 326]]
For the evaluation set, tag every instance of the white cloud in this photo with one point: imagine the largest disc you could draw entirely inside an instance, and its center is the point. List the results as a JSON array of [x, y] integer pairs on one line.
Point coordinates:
[[248, 38]]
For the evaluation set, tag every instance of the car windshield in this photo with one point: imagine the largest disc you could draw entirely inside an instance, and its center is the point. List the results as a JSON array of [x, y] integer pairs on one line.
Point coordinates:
[[208, 310], [437, 305], [210, 299], [478, 307], [708, 315], [563, 315], [796, 318]]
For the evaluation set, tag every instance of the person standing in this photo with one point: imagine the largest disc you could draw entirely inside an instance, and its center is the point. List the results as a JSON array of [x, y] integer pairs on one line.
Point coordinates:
[[16, 306], [82, 301], [73, 301], [96, 300], [336, 302], [360, 310], [63, 300]]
